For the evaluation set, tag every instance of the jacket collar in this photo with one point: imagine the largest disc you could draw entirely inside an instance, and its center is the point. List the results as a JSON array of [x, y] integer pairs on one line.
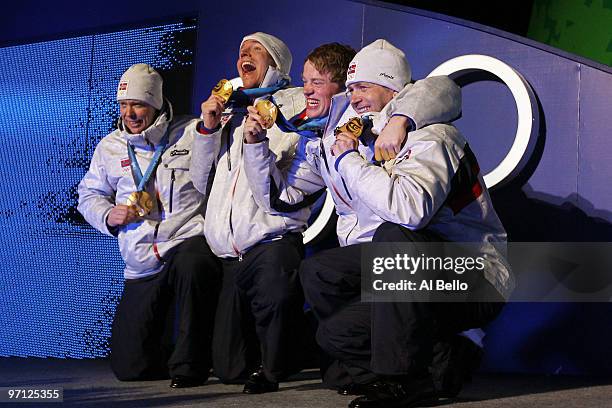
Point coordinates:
[[339, 104]]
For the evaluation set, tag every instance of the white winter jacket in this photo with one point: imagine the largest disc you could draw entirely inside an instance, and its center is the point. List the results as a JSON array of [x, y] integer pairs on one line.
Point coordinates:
[[234, 220], [178, 211]]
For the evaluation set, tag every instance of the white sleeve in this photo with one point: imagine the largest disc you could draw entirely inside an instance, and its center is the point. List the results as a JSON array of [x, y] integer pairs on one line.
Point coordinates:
[[280, 191], [412, 192], [204, 155], [96, 194], [431, 100]]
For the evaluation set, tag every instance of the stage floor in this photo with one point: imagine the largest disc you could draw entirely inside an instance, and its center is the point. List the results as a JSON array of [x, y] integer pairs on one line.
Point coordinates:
[[90, 383]]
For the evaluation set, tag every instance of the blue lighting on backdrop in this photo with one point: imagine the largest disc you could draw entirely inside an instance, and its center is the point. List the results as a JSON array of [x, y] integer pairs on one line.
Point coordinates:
[[60, 279]]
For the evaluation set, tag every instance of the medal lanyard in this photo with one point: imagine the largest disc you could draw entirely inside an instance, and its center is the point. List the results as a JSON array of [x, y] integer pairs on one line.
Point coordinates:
[[309, 129], [313, 124], [139, 179], [244, 96]]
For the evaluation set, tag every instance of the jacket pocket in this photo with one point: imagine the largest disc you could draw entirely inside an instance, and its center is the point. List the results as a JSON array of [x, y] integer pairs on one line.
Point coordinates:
[[177, 172]]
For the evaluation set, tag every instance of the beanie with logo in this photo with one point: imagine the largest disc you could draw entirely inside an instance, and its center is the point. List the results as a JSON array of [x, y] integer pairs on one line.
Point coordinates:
[[141, 82], [380, 63]]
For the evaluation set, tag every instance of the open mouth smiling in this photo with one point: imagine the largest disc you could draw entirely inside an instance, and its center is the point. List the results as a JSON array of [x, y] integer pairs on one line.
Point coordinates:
[[312, 102], [248, 66], [362, 109]]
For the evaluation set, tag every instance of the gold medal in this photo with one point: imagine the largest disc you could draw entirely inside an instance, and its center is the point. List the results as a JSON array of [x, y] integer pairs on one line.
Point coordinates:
[[223, 90], [354, 126], [141, 201], [268, 112]]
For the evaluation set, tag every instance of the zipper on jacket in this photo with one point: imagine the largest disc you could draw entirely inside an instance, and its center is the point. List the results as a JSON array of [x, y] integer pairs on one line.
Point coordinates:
[[232, 238], [172, 178], [231, 226], [228, 132], [322, 149]]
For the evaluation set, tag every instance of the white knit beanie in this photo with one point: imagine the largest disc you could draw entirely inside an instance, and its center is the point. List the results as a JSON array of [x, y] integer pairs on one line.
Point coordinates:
[[277, 49], [380, 63], [142, 83]]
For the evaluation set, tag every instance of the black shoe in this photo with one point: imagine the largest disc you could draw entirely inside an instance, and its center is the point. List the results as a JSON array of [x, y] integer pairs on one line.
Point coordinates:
[[183, 381], [257, 383], [353, 389], [453, 364], [397, 395]]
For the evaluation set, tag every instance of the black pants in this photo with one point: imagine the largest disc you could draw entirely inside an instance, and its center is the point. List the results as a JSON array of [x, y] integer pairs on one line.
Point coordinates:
[[379, 338], [144, 324], [260, 317]]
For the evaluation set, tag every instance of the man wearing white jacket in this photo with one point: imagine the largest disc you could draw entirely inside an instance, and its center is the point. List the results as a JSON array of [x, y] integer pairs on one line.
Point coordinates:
[[260, 324], [431, 191], [139, 189]]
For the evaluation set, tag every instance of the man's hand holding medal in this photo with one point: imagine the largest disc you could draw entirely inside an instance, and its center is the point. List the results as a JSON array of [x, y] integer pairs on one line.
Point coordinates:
[[387, 145], [121, 214], [261, 117], [214, 106], [347, 136], [139, 204]]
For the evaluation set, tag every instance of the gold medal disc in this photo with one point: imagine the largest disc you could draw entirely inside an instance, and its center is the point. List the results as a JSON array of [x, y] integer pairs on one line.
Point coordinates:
[[354, 126], [223, 90], [268, 112], [141, 201]]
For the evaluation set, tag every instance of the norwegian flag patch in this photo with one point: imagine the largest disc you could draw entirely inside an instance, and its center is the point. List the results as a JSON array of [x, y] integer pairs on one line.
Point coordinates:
[[125, 162], [225, 119], [122, 88], [350, 73]]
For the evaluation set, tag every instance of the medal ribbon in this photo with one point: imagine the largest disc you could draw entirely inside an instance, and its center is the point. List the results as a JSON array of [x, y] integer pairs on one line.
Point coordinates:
[[139, 179], [243, 97], [309, 129]]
